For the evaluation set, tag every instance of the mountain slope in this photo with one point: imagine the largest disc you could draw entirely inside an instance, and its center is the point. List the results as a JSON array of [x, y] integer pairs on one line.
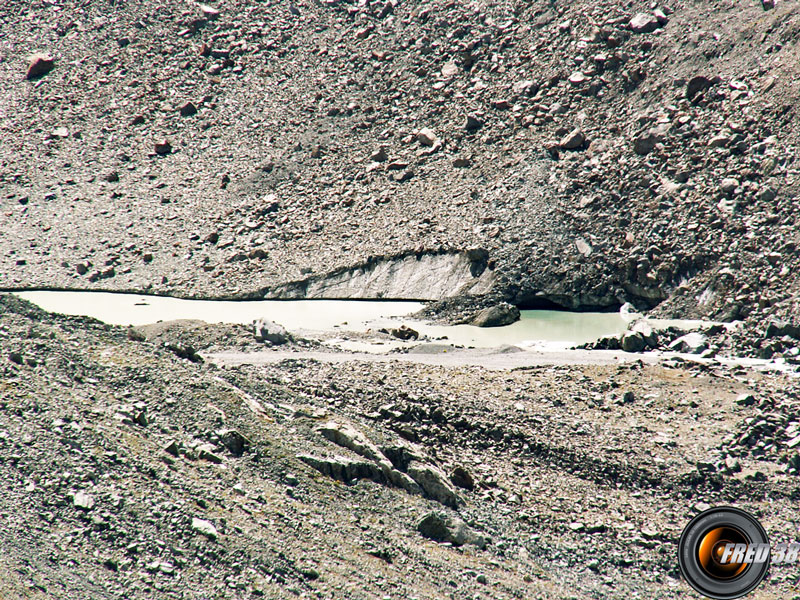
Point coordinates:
[[604, 154]]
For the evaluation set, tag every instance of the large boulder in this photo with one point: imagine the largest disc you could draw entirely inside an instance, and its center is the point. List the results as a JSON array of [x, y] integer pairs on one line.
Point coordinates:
[[347, 436], [496, 316], [235, 442], [427, 137], [643, 327], [442, 527], [573, 140], [267, 331], [633, 341], [644, 23], [462, 478], [691, 343], [434, 483], [697, 85], [343, 468], [781, 328]]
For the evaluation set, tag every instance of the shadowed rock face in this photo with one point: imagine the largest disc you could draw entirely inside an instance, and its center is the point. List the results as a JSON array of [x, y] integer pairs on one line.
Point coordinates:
[[410, 277]]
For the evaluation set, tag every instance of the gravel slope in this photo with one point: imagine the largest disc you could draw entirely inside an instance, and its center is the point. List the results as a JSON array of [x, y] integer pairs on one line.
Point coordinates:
[[605, 154], [128, 472]]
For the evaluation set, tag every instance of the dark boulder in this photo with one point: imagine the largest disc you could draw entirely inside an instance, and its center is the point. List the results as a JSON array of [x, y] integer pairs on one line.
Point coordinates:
[[496, 316], [782, 328], [404, 333]]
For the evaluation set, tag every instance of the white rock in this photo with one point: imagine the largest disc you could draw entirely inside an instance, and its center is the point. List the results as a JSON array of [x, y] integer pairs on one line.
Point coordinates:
[[523, 87], [450, 69], [426, 137], [209, 12], [729, 185], [644, 23], [267, 331], [693, 343], [577, 78], [83, 500], [643, 327], [583, 247], [205, 527]]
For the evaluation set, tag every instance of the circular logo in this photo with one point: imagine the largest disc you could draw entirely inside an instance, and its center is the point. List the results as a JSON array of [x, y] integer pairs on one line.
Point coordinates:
[[724, 553]]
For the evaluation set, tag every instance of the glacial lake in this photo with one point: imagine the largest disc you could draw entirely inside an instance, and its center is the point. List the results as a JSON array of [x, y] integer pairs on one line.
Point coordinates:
[[536, 327]]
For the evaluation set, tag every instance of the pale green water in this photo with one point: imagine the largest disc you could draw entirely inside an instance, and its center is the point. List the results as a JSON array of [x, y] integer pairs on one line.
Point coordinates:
[[535, 327]]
